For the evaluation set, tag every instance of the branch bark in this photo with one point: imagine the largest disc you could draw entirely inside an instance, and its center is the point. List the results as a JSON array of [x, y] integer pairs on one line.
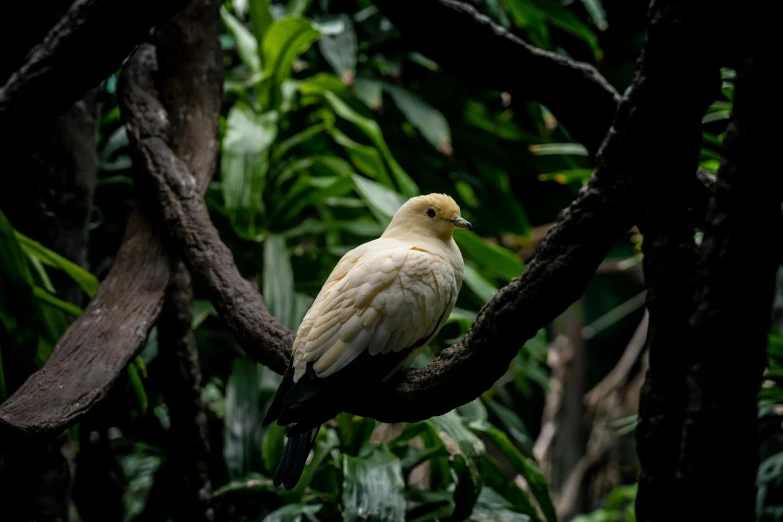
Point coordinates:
[[96, 348], [736, 288], [682, 73], [71, 58]]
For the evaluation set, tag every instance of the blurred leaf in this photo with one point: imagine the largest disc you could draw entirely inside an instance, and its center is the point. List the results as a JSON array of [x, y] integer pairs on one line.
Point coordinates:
[[308, 191], [297, 7], [478, 284], [13, 261], [273, 445], [244, 164], [370, 128], [382, 201], [373, 487], [59, 304], [512, 424], [340, 49], [354, 431], [138, 386], [278, 277], [242, 419], [597, 13], [202, 309], [492, 507], [283, 42], [326, 441], [247, 45], [260, 18], [493, 259], [369, 91], [366, 159], [297, 139], [86, 281], [568, 149], [293, 513], [429, 121], [565, 177], [254, 482], [524, 467]]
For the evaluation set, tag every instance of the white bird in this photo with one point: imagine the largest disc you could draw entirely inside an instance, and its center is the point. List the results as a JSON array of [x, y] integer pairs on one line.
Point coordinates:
[[381, 305]]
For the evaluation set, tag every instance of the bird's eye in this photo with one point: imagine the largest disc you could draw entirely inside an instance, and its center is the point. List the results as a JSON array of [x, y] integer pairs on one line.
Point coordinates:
[[430, 212]]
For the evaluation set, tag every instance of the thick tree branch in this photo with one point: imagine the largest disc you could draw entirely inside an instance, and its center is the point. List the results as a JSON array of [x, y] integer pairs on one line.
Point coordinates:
[[96, 348], [84, 47], [735, 294], [682, 77]]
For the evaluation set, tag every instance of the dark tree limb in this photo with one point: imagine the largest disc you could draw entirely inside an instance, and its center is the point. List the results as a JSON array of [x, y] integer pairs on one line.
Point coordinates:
[[735, 295], [182, 392], [679, 76], [91, 354], [88, 44]]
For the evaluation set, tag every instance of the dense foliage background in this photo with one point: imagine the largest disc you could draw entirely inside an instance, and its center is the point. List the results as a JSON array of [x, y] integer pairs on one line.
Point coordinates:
[[330, 121]]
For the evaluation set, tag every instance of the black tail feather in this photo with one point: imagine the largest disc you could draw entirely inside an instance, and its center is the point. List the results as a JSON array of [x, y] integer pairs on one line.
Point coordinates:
[[297, 448]]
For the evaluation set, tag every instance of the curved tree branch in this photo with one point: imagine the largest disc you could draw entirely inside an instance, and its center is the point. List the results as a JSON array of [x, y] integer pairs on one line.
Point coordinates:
[[89, 357], [83, 48]]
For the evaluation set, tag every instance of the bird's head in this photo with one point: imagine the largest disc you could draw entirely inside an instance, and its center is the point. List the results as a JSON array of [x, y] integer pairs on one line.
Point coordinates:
[[433, 215]]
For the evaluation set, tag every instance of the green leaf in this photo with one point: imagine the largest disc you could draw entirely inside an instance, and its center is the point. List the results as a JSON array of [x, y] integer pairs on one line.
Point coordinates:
[[308, 191], [247, 45], [512, 424], [260, 18], [340, 49], [253, 482], [567, 149], [297, 139], [528, 471], [478, 284], [273, 446], [382, 201], [284, 41], [86, 281], [366, 159], [244, 164], [242, 419], [138, 386], [278, 277], [13, 262], [369, 91], [429, 121], [293, 513], [372, 130], [597, 13], [373, 487], [297, 7], [59, 304], [490, 506], [493, 259]]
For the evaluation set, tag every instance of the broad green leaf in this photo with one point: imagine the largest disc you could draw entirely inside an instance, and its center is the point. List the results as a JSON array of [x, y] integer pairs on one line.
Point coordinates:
[[247, 45], [273, 445], [284, 41], [490, 506], [86, 281], [278, 277], [354, 431], [568, 149], [512, 424], [478, 284], [382, 201], [13, 261], [293, 513], [429, 121], [366, 159], [493, 259], [308, 190], [372, 130], [373, 487], [297, 139], [297, 7], [242, 419], [260, 18], [369, 91], [528, 471], [340, 49], [244, 164]]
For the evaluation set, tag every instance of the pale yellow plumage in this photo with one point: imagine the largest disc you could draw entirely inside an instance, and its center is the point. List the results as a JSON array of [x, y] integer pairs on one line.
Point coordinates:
[[387, 294]]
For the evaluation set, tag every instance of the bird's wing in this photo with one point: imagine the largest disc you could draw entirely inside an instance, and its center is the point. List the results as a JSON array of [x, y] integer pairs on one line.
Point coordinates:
[[385, 299]]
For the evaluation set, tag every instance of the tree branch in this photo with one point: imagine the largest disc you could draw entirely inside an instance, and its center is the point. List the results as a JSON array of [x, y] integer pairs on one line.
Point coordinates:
[[736, 288], [83, 48], [96, 348]]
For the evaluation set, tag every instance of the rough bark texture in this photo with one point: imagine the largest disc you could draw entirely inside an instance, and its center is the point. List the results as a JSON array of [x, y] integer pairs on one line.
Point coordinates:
[[736, 288], [677, 79], [84, 47], [189, 441], [91, 354]]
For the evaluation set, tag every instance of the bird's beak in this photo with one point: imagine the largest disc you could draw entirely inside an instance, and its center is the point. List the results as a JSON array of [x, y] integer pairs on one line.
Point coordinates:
[[462, 223]]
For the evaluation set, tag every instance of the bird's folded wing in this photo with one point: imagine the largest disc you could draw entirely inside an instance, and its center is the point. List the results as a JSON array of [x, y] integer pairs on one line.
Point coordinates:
[[387, 299]]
